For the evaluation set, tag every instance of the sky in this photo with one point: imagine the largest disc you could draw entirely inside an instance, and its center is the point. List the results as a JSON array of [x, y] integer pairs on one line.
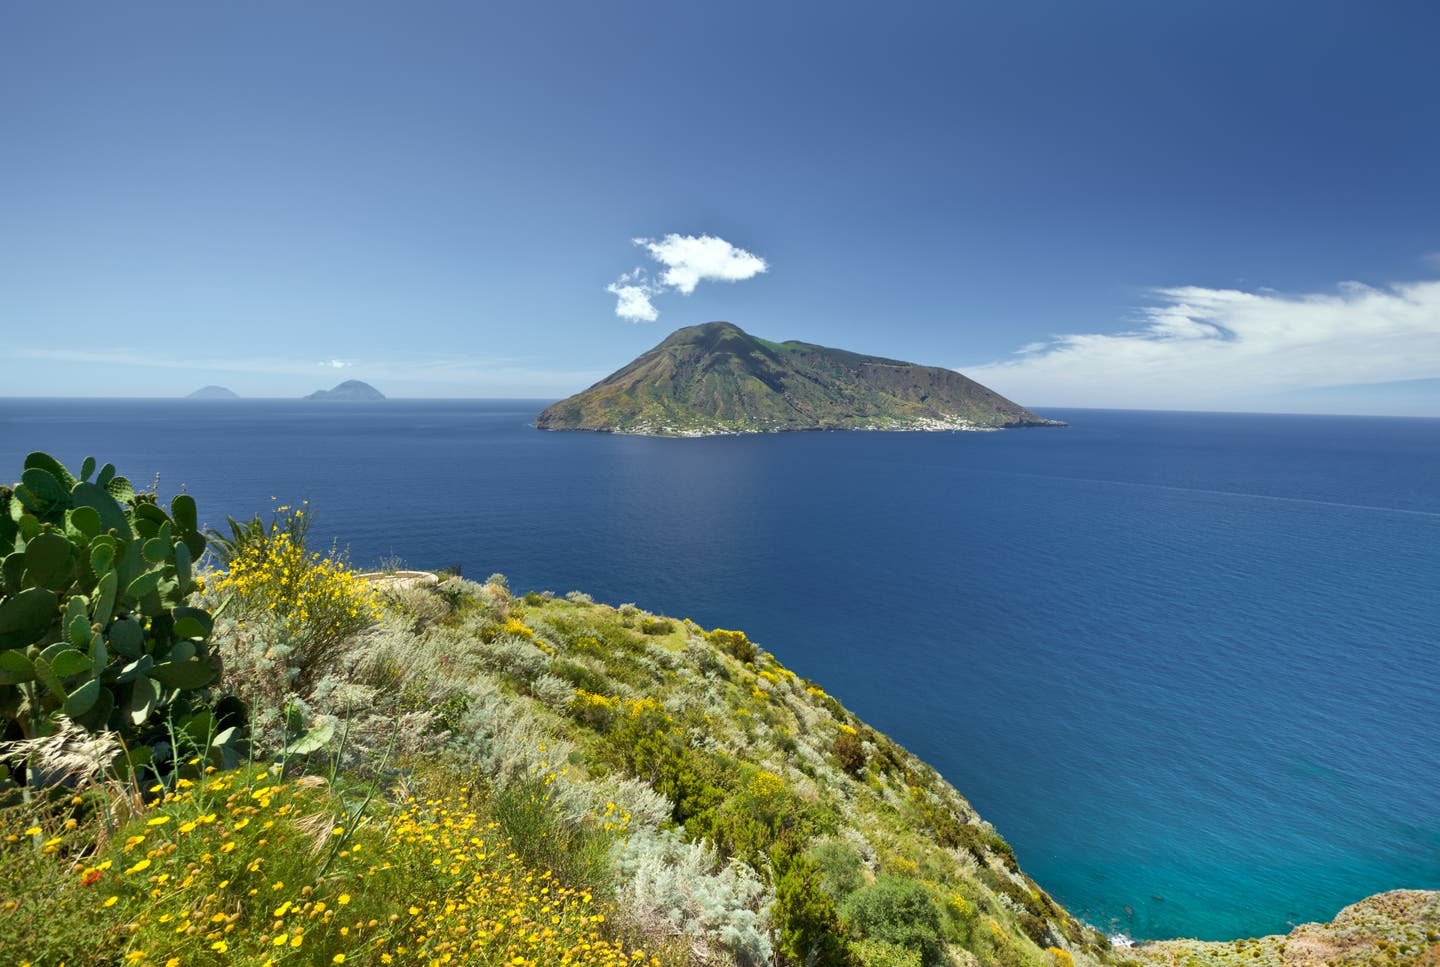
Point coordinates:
[[1224, 206]]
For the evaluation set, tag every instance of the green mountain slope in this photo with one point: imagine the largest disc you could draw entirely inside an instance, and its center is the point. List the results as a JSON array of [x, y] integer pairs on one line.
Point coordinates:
[[717, 378]]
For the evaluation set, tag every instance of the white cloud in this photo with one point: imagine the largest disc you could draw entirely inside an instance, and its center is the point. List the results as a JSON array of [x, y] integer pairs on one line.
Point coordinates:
[[633, 301], [334, 363], [688, 261], [691, 259], [1216, 348]]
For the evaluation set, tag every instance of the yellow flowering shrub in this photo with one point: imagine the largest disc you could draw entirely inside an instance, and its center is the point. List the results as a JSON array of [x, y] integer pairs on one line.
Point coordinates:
[[734, 642], [597, 711], [766, 784], [514, 626], [636, 707], [318, 600]]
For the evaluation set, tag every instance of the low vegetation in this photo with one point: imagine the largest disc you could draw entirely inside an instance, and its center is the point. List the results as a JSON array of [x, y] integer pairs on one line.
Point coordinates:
[[386, 772]]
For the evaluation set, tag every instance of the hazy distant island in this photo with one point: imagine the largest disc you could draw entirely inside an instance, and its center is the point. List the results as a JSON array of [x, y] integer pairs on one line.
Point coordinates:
[[350, 391], [717, 378], [213, 393]]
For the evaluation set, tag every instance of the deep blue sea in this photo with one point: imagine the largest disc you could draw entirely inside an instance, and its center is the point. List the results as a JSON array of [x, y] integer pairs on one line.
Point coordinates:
[[1188, 664]]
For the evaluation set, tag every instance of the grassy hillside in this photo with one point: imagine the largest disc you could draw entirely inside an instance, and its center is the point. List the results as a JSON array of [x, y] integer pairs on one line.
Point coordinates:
[[448, 769], [717, 378]]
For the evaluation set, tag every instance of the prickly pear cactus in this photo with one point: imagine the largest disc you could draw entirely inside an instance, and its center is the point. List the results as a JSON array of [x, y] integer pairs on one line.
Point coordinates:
[[93, 621]]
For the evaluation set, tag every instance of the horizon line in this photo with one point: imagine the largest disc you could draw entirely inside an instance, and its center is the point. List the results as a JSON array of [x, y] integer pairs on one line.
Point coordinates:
[[540, 399]]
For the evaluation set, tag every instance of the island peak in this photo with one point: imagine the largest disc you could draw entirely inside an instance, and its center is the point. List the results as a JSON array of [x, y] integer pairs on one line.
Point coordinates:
[[213, 393], [718, 378], [352, 390]]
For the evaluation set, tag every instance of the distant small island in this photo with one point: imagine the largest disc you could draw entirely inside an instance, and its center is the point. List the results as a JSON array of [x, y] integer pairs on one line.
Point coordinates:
[[716, 378], [213, 393], [350, 391]]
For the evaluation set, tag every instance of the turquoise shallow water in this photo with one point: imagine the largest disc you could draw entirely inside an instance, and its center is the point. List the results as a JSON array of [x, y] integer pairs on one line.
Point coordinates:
[[1186, 663]]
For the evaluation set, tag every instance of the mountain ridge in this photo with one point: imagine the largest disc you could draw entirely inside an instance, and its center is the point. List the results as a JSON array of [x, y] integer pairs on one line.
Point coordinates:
[[717, 378]]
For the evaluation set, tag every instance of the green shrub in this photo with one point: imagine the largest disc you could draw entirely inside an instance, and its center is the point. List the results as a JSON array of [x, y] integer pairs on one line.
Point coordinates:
[[695, 782], [581, 675], [656, 626], [94, 621], [762, 818], [542, 837], [1033, 927], [960, 918], [839, 868], [897, 911], [947, 830], [807, 927]]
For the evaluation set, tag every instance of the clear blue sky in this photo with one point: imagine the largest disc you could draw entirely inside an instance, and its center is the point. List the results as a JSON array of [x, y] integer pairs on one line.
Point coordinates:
[[1218, 205]]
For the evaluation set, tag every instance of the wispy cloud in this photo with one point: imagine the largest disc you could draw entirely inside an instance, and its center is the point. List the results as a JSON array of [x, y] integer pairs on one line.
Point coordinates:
[[688, 260], [334, 363], [1212, 348], [268, 365], [457, 374]]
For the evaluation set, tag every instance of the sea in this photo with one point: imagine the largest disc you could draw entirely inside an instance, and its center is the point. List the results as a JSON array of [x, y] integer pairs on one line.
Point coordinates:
[[1188, 664]]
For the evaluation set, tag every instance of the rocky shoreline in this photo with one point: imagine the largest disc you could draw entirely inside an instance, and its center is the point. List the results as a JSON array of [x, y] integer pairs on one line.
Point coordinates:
[[917, 425], [1399, 928]]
